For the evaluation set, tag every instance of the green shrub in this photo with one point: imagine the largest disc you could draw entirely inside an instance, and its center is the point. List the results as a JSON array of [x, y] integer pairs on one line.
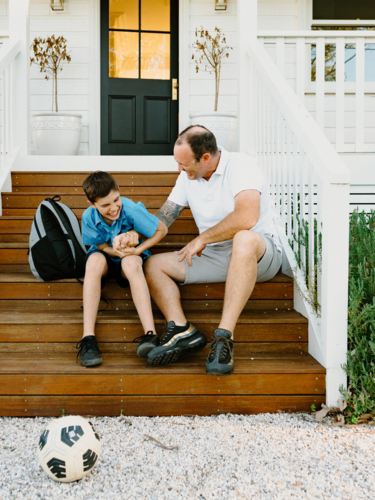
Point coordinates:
[[360, 366]]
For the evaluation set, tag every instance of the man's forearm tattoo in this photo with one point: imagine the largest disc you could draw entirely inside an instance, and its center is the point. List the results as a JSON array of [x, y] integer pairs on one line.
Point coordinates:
[[169, 212]]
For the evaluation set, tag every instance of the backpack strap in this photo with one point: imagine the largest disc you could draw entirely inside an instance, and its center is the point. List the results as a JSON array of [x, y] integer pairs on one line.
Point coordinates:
[[48, 203]]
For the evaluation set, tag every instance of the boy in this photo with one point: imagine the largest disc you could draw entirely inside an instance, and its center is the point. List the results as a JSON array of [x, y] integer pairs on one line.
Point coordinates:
[[108, 217]]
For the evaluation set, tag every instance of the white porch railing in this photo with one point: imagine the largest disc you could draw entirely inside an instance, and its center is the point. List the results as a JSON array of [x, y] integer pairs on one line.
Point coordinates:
[[339, 75], [298, 161], [8, 151]]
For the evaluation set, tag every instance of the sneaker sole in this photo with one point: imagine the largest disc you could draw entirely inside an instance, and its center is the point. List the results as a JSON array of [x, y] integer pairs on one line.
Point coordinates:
[[173, 353], [144, 349], [92, 362], [220, 373]]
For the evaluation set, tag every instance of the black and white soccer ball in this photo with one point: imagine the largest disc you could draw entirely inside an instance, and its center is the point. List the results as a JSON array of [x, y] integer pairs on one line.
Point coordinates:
[[69, 448]]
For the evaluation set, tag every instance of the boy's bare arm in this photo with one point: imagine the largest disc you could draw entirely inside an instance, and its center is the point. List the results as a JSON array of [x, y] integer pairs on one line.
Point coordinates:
[[161, 231], [106, 248]]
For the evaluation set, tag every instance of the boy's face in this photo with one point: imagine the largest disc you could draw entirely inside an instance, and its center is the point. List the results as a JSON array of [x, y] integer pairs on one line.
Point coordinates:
[[109, 206]]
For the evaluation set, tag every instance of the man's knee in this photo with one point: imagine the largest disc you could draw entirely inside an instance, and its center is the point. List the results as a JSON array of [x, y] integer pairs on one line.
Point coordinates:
[[96, 264], [249, 244]]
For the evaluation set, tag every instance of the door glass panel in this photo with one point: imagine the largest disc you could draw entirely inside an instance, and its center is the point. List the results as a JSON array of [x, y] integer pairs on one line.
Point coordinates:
[[155, 15], [123, 14], [123, 54], [155, 56]]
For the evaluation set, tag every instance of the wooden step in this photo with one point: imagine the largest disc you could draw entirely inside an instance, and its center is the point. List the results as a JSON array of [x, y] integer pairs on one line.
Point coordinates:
[[29, 200], [76, 178], [22, 225], [22, 212], [55, 375], [26, 286], [33, 406], [49, 331]]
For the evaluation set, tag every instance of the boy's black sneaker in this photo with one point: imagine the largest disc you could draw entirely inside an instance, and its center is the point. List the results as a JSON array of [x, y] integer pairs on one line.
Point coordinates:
[[176, 341], [89, 351], [221, 360], [146, 343]]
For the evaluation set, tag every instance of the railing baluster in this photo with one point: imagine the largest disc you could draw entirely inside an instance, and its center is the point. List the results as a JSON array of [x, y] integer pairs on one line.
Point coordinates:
[[302, 197], [359, 93], [3, 111], [320, 77], [289, 181], [340, 96], [301, 79], [280, 58], [311, 179], [277, 158], [283, 173], [271, 179], [295, 186], [7, 116]]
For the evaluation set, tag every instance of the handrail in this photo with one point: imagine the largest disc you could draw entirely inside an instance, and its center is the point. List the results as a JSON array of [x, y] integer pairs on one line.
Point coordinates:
[[309, 188], [8, 52], [316, 34], [328, 164]]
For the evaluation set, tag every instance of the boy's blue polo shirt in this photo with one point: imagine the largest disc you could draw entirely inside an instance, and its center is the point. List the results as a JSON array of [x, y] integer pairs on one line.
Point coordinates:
[[95, 231]]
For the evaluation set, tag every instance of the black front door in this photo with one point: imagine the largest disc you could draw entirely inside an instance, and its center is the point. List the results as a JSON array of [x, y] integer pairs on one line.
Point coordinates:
[[139, 66]]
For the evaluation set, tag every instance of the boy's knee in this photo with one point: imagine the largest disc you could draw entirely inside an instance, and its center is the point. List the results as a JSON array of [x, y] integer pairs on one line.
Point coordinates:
[[131, 264], [96, 264]]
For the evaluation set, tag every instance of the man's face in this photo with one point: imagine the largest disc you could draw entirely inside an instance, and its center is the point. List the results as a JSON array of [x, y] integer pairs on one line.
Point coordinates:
[[186, 162], [109, 206]]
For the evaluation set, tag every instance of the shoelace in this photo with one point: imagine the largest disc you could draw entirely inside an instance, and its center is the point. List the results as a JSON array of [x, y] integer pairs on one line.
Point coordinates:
[[227, 346], [90, 343], [144, 337], [167, 335]]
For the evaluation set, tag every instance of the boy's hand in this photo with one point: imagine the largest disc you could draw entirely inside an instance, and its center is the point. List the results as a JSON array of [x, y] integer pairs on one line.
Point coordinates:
[[130, 251], [133, 240]]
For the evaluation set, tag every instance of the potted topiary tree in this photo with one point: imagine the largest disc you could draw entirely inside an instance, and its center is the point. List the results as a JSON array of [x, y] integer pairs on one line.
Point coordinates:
[[211, 50], [54, 133]]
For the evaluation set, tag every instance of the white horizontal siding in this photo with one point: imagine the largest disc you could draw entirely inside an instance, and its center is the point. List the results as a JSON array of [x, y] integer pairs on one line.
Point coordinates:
[[202, 84], [277, 14]]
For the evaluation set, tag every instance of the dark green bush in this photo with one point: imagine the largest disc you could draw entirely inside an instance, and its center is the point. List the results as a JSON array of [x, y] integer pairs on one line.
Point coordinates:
[[360, 366]]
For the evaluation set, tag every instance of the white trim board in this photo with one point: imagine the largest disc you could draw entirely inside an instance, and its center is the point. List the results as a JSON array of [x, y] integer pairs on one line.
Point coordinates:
[[94, 71], [86, 163]]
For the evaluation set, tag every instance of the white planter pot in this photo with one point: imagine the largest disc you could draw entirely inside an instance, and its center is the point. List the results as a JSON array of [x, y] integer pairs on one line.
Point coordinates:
[[56, 133], [222, 125]]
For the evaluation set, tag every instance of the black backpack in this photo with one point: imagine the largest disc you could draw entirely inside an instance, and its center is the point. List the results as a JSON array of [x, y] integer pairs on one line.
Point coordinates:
[[56, 250]]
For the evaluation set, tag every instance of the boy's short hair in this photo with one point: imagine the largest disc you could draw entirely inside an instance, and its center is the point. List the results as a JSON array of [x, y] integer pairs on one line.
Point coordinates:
[[99, 185]]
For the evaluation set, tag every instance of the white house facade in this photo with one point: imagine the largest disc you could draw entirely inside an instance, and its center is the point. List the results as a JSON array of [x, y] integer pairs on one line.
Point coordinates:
[[303, 110]]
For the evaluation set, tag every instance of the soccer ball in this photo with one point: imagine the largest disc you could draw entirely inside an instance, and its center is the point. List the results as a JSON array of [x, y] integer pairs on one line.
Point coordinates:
[[69, 447]]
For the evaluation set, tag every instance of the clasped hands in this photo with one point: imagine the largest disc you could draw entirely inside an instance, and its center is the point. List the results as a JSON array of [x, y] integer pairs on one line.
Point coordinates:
[[124, 244]]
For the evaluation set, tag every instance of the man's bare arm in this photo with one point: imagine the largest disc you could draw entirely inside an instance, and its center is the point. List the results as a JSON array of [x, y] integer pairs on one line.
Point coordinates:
[[169, 212]]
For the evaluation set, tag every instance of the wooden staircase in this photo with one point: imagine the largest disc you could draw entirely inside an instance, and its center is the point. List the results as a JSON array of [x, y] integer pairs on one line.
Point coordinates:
[[40, 324]]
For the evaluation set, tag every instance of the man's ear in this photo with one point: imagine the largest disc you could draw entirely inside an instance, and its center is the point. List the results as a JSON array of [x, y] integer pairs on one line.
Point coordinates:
[[206, 157]]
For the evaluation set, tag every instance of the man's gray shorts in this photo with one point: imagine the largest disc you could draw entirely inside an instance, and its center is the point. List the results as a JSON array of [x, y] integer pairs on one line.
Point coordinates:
[[212, 266]]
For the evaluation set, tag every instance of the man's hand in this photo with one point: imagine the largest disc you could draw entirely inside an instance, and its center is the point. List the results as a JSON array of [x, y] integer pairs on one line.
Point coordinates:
[[195, 247]]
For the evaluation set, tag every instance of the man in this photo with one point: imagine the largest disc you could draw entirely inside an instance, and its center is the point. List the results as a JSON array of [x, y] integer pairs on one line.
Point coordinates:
[[237, 244]]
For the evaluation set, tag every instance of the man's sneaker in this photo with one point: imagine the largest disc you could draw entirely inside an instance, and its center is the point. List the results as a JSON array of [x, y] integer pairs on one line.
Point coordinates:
[[89, 351], [176, 341], [146, 343], [220, 360]]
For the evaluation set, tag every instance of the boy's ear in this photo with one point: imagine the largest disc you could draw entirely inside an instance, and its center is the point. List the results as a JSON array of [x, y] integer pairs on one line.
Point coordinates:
[[91, 204]]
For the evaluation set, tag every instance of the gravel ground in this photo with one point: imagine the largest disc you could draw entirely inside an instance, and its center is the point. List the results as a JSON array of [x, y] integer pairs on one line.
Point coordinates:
[[278, 456]]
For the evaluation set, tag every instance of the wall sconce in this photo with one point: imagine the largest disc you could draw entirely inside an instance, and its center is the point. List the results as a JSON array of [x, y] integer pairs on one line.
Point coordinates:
[[57, 4], [220, 4]]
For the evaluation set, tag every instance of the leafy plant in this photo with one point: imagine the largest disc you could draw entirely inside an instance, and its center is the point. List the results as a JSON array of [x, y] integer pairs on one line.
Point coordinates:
[[211, 51], [50, 55], [300, 246], [360, 366]]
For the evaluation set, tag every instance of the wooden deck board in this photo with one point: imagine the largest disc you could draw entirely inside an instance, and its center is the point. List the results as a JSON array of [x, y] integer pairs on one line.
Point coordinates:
[[153, 405]]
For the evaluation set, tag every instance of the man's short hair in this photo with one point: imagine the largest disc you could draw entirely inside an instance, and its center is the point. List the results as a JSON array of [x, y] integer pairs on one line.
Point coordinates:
[[99, 185], [200, 142]]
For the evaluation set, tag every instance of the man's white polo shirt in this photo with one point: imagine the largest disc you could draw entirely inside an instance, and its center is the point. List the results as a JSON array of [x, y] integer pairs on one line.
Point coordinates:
[[211, 201]]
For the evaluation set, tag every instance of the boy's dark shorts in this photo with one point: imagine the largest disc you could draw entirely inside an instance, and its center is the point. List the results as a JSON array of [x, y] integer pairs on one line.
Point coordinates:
[[114, 270]]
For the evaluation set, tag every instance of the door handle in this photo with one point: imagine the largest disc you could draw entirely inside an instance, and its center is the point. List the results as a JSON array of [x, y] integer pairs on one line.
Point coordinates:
[[174, 89]]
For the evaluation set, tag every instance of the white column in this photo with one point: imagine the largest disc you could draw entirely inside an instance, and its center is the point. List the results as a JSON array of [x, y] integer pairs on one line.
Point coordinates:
[[247, 15], [19, 28]]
